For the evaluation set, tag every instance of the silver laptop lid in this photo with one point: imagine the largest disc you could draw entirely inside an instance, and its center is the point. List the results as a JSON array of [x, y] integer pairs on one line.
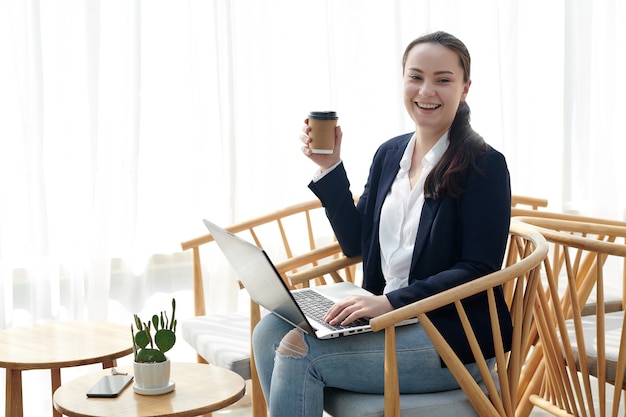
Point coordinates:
[[259, 276]]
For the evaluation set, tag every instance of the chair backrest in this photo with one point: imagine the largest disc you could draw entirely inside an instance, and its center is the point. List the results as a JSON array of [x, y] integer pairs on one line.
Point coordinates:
[[583, 354], [519, 279]]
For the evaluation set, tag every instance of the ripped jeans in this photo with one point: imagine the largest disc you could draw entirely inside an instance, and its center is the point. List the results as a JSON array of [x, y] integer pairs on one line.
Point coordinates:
[[294, 367]]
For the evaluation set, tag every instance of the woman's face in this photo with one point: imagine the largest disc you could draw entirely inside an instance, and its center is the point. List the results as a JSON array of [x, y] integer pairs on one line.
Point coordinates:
[[433, 86]]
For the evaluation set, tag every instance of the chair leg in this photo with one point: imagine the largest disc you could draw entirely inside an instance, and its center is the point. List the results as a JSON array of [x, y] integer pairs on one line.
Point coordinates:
[[259, 407]]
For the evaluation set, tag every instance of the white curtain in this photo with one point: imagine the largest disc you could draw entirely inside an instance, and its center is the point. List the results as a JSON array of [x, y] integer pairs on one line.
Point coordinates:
[[124, 122]]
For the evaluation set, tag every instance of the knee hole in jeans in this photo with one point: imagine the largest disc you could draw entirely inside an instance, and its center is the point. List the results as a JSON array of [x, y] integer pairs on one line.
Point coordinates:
[[293, 344]]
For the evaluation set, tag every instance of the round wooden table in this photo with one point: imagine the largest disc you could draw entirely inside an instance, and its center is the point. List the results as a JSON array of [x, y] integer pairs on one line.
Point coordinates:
[[200, 389], [57, 345]]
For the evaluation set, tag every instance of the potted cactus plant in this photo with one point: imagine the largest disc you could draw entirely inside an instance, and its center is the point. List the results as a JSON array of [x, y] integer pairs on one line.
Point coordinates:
[[151, 340]]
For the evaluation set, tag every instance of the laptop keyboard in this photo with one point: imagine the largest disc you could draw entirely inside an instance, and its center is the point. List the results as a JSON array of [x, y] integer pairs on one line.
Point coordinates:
[[315, 305]]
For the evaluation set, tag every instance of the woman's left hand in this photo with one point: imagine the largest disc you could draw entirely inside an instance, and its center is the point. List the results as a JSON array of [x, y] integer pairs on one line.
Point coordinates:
[[355, 307]]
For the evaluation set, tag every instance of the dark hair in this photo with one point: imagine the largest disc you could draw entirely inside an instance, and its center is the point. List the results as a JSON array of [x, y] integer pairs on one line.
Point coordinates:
[[465, 144]]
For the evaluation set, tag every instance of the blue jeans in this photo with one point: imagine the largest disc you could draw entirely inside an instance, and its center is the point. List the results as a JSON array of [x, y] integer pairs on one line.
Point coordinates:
[[293, 383]]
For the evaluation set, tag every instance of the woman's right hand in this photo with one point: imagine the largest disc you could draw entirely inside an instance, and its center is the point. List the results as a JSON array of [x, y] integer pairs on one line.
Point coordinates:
[[324, 161]]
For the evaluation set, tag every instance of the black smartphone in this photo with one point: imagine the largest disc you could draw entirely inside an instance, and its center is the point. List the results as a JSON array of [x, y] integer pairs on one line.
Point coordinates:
[[109, 386]]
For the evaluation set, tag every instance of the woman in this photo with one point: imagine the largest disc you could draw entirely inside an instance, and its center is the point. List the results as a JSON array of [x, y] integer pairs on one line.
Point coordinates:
[[434, 214]]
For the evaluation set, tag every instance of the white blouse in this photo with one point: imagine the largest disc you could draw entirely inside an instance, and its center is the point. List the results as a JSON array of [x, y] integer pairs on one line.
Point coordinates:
[[400, 216]]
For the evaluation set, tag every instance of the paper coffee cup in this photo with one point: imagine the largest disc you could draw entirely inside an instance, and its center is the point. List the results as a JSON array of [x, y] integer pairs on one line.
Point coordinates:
[[322, 132]]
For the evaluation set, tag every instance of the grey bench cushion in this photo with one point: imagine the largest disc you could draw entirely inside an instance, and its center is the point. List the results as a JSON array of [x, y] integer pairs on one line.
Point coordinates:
[[341, 403], [613, 327], [222, 339]]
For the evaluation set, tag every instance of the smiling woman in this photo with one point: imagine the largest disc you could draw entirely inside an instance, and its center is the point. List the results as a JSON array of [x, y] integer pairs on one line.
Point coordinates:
[[429, 197], [125, 123]]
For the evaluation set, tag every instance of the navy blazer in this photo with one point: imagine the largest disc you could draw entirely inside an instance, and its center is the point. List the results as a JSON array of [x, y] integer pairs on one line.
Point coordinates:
[[458, 239]]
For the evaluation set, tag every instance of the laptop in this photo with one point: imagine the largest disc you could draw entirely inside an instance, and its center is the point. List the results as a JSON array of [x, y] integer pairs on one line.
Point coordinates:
[[302, 308]]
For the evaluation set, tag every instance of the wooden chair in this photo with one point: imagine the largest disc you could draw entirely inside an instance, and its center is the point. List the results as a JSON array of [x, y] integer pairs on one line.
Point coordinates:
[[613, 295], [526, 205], [224, 339], [581, 354], [497, 394], [297, 238]]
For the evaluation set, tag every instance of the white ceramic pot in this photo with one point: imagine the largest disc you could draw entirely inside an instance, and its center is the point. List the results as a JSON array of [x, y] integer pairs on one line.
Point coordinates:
[[154, 375]]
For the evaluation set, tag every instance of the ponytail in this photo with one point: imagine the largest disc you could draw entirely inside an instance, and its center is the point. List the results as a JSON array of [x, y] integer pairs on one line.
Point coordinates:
[[448, 175]]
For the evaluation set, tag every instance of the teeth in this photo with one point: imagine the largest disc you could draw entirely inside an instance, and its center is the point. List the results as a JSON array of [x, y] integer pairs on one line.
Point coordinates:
[[427, 106]]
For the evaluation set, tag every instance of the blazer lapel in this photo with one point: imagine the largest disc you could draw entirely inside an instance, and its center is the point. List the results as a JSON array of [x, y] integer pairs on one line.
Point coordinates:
[[429, 211], [388, 174]]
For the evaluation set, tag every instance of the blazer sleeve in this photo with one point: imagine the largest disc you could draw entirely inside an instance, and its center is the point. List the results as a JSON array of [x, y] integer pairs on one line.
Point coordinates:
[[333, 190]]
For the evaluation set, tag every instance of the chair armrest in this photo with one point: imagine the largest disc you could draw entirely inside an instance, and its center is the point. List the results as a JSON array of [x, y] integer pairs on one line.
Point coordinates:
[[323, 269], [469, 288], [309, 257], [521, 213], [533, 202], [438, 300]]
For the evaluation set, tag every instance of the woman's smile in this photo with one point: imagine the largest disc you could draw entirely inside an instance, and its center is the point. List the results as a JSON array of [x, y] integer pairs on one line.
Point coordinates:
[[427, 106]]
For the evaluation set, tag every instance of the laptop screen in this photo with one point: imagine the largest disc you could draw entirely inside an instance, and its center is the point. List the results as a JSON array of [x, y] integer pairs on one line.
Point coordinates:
[[258, 274]]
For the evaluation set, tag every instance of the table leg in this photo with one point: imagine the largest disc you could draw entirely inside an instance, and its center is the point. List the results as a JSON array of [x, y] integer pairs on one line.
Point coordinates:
[[109, 364], [55, 379], [13, 406]]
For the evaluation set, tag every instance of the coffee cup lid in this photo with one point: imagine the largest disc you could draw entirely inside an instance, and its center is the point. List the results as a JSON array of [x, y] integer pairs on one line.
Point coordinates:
[[323, 115]]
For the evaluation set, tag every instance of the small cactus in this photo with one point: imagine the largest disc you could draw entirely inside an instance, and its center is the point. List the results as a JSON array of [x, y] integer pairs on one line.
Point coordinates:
[[164, 336]]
